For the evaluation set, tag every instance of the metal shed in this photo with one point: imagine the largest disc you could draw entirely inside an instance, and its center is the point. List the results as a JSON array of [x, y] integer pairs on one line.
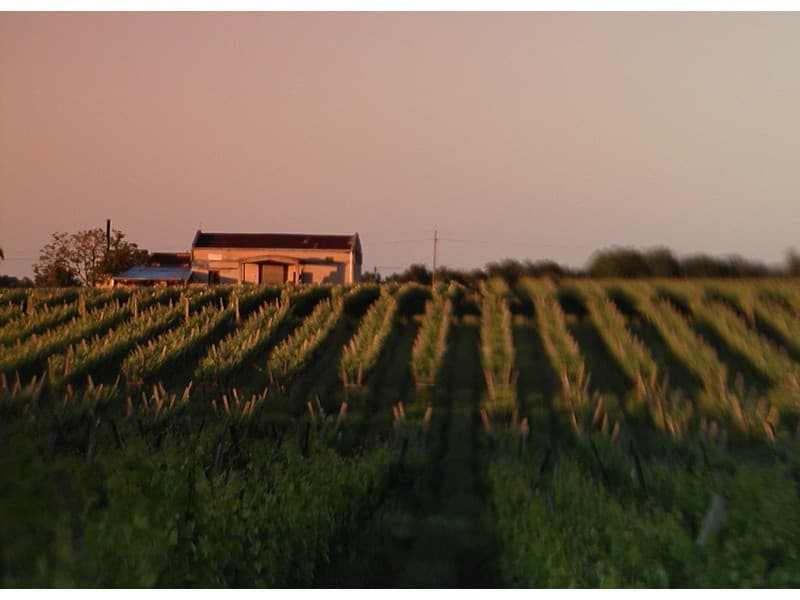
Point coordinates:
[[143, 275]]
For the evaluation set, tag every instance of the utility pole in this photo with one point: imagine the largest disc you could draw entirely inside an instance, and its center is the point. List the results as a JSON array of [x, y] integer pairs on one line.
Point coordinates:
[[435, 251]]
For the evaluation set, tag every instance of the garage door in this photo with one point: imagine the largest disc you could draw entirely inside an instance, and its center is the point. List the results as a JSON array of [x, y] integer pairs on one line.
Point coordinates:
[[273, 274]]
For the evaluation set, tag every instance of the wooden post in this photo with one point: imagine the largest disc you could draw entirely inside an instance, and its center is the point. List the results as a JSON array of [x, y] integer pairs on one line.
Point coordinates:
[[435, 253]]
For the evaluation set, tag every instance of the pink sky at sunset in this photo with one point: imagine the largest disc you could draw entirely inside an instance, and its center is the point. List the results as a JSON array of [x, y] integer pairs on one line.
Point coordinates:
[[529, 136]]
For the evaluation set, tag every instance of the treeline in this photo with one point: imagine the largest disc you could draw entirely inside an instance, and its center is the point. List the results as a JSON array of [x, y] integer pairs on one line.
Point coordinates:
[[613, 262], [7, 281], [661, 262]]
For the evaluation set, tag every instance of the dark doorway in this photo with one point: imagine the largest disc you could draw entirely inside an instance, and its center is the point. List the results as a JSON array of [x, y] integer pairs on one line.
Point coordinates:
[[272, 274]]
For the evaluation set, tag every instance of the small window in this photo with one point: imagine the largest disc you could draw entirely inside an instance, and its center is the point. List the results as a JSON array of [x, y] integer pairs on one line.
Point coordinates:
[[213, 277], [306, 278]]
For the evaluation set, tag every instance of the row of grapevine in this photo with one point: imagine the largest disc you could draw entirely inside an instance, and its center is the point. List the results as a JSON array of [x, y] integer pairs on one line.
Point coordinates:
[[765, 357], [782, 322], [564, 354], [222, 360], [585, 520], [35, 298], [780, 294], [31, 354], [497, 351], [692, 350], [651, 396], [9, 312], [21, 323], [596, 521], [634, 358], [178, 503], [293, 354], [361, 353], [152, 359], [44, 319], [84, 358], [739, 407], [786, 293], [13, 296], [431, 341]]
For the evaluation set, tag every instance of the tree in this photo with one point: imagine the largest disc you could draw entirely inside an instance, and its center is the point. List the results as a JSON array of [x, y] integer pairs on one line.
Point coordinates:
[[370, 277], [509, 269], [617, 262], [8, 281], [83, 258], [792, 263], [545, 268], [416, 272], [54, 275], [662, 263]]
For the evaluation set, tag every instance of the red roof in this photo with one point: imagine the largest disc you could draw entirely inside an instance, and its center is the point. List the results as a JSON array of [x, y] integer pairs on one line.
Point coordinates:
[[294, 241]]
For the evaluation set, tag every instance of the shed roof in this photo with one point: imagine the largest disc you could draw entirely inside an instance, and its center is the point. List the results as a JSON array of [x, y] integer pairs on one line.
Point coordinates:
[[142, 273], [164, 259], [294, 241]]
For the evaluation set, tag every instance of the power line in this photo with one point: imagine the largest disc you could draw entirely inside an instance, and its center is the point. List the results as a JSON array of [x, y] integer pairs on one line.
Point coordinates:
[[501, 241], [413, 240]]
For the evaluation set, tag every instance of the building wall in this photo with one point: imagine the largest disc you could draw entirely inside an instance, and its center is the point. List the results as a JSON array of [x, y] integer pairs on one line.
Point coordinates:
[[323, 273], [251, 273], [226, 262]]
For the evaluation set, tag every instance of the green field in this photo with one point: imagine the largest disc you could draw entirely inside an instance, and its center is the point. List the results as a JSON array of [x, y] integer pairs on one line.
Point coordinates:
[[584, 433]]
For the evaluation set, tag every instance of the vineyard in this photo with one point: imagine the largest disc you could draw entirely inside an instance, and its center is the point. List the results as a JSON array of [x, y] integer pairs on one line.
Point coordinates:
[[580, 433]]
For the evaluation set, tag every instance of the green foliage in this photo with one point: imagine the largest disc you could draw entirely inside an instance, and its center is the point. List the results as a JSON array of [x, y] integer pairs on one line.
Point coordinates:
[[222, 361], [84, 358], [634, 358], [497, 348], [417, 273], [660, 262], [360, 298], [511, 271], [761, 353], [38, 322], [627, 262], [575, 526], [431, 341], [178, 516], [575, 534], [564, 354], [793, 263], [117, 485], [152, 359], [411, 299], [360, 355], [292, 355], [85, 258], [31, 355]]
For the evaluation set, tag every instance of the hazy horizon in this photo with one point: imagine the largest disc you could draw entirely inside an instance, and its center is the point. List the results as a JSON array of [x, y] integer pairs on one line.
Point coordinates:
[[515, 135]]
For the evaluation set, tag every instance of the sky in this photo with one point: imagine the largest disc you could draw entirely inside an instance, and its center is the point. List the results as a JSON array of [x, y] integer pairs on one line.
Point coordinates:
[[514, 135]]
